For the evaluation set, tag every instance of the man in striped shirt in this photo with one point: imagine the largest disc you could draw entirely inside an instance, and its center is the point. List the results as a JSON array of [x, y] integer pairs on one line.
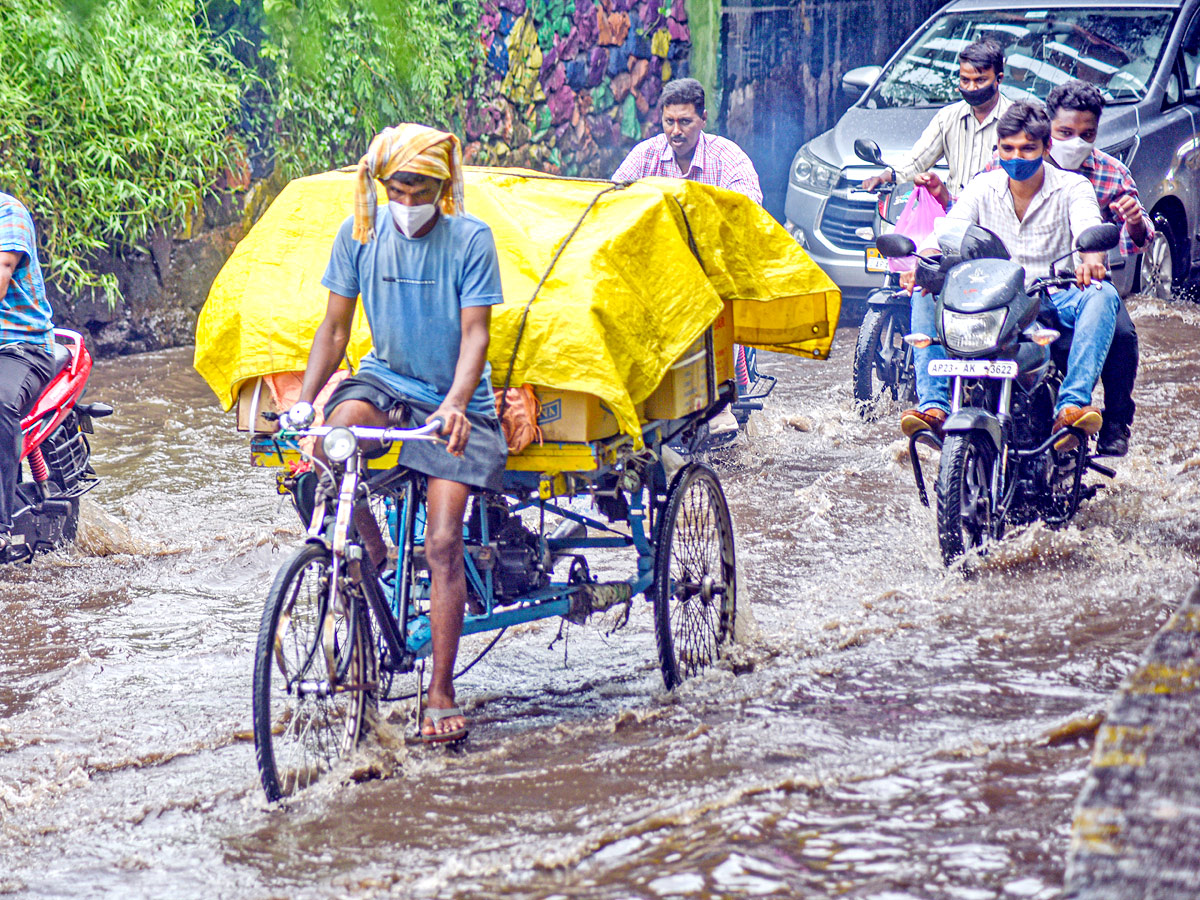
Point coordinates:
[[963, 133], [26, 345], [684, 150]]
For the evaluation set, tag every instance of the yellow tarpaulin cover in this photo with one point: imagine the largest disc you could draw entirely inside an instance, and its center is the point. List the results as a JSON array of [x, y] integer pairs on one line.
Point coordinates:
[[624, 300]]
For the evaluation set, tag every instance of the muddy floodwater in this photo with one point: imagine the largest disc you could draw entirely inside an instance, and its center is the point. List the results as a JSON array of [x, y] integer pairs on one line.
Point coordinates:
[[888, 729]]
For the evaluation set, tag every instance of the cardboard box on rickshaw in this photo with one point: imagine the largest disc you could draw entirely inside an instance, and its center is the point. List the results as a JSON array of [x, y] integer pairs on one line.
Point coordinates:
[[571, 416]]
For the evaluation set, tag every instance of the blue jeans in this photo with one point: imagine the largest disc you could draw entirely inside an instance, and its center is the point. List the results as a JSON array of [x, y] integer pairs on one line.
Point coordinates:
[[1091, 312], [932, 393]]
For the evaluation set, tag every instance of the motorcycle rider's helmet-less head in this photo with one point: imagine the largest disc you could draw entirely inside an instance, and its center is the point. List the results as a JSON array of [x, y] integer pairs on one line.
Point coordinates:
[[1074, 108], [1023, 134], [980, 71]]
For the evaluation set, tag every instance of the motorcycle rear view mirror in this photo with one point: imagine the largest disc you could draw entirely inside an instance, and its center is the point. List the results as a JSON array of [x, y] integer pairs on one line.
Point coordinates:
[[895, 246], [868, 151], [1098, 238]]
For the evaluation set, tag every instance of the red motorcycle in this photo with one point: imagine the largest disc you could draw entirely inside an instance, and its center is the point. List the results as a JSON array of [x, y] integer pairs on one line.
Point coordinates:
[[56, 453]]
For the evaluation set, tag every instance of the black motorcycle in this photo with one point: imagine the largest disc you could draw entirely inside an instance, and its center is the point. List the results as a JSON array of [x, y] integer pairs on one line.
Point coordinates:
[[883, 362], [999, 463]]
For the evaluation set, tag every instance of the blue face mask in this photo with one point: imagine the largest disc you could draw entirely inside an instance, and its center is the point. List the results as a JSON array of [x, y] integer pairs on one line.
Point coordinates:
[[1021, 169]]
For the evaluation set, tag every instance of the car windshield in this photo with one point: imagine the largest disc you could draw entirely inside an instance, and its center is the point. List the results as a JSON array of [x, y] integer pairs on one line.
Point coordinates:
[[1114, 49]]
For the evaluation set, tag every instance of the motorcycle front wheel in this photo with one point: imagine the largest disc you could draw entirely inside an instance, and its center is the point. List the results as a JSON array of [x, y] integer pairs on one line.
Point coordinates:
[[964, 495], [881, 362]]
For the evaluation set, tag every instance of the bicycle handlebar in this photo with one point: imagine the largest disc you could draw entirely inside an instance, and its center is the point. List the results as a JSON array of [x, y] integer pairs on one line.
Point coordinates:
[[429, 432]]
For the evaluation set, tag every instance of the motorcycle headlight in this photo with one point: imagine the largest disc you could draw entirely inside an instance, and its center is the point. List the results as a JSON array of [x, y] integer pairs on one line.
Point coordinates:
[[972, 332], [339, 445], [813, 173]]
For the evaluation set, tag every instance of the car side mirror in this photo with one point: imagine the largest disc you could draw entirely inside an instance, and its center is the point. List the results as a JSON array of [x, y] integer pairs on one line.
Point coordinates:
[[868, 151], [856, 81], [1098, 238], [895, 246]]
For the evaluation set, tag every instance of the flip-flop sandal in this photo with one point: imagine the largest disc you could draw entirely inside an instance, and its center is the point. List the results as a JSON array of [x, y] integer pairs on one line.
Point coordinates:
[[446, 737]]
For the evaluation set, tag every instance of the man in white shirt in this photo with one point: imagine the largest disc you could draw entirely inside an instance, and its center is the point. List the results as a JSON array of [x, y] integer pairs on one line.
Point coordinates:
[[1039, 212], [964, 133]]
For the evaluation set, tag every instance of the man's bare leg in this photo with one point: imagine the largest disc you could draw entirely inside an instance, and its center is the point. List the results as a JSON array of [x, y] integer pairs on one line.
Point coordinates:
[[359, 412], [446, 503]]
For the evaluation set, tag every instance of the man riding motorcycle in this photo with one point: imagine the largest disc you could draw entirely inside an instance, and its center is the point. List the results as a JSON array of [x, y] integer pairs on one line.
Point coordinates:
[[26, 345], [964, 133], [1038, 211]]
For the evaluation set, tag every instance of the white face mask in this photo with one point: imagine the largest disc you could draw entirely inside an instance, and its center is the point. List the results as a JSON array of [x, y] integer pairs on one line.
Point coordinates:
[[1071, 153], [411, 219]]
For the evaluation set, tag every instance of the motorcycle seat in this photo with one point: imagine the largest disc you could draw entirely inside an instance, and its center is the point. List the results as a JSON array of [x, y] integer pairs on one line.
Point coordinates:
[[62, 358]]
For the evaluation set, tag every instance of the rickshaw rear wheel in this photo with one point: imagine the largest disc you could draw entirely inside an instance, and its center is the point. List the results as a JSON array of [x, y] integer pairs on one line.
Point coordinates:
[[306, 715], [695, 576]]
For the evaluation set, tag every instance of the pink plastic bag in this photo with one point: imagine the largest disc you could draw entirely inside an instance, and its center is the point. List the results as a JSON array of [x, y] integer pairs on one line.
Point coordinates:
[[916, 221]]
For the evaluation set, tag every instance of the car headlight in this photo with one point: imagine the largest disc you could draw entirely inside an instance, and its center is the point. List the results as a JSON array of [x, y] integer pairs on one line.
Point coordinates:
[[972, 332], [813, 173], [339, 445]]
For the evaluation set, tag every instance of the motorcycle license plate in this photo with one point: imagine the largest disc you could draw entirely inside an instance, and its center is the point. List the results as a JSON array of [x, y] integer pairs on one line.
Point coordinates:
[[973, 368], [873, 261]]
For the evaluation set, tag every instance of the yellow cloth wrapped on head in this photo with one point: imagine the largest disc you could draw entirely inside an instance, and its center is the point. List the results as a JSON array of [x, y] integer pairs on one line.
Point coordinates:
[[406, 148]]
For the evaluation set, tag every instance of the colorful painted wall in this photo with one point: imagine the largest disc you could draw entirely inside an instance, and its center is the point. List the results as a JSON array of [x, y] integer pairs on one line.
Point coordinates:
[[570, 85]]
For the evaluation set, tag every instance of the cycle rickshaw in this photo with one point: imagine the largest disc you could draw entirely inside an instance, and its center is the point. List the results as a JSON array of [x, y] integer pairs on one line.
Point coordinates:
[[336, 634]]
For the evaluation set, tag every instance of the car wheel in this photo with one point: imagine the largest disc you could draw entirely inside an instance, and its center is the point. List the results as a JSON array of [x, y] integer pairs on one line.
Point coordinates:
[[1160, 261]]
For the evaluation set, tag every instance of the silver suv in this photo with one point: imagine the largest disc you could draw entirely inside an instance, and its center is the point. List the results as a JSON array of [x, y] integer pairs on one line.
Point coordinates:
[[1144, 55]]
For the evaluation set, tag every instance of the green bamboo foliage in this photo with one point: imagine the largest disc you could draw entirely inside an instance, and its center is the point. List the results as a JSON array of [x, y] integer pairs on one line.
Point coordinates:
[[114, 119], [341, 70], [118, 116]]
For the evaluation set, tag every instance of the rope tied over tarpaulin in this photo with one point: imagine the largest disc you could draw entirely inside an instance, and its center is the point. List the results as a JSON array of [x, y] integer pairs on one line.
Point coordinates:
[[512, 360]]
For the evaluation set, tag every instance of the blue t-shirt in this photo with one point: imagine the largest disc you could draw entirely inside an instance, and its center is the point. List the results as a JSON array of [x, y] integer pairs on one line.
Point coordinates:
[[413, 291], [24, 312]]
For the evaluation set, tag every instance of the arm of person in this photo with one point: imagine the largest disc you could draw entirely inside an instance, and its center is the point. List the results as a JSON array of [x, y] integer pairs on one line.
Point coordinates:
[[929, 148], [472, 355], [10, 260], [746, 183], [328, 346], [967, 209], [936, 187], [1136, 230], [1084, 212]]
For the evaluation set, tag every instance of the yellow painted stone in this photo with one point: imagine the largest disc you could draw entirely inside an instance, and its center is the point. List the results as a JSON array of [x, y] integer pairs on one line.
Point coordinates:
[[1120, 745], [1158, 678], [1097, 831]]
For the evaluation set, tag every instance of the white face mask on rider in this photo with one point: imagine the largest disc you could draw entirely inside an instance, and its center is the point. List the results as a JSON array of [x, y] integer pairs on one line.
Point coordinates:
[[1071, 153], [411, 219]]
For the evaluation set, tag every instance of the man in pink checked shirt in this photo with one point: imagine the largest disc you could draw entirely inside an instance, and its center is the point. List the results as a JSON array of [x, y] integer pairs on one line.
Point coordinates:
[[684, 150]]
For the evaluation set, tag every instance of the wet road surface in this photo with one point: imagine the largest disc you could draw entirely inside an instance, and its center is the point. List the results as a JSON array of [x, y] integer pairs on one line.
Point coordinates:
[[887, 729]]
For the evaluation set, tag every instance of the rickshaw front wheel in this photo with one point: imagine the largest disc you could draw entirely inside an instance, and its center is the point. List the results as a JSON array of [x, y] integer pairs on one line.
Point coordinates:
[[312, 672], [695, 576]]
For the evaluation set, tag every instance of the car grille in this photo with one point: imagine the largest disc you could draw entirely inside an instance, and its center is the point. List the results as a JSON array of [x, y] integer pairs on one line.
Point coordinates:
[[842, 217]]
